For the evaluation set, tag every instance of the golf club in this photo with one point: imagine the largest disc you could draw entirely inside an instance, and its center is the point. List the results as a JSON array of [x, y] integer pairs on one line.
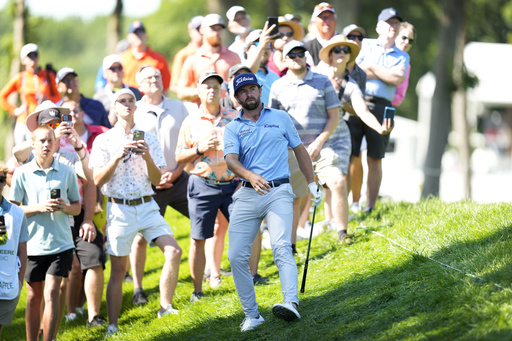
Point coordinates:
[[303, 286]]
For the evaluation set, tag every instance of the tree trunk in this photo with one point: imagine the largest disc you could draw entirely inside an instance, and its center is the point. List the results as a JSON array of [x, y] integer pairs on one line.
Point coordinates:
[[452, 13], [114, 33]]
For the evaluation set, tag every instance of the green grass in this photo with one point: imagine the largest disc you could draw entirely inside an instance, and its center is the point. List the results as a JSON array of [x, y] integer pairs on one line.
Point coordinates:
[[371, 289]]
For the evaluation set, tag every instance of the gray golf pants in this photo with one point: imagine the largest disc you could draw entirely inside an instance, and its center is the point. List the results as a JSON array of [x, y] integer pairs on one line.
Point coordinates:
[[248, 211]]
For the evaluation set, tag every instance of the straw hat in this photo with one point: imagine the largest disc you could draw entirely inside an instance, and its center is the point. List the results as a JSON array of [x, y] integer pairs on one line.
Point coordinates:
[[337, 41], [298, 32]]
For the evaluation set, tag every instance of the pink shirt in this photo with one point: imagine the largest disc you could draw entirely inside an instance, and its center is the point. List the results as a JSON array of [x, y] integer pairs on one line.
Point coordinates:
[[198, 126], [401, 89]]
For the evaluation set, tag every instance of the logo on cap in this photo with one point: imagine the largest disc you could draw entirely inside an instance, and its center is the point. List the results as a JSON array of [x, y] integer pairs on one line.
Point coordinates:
[[53, 112], [243, 79]]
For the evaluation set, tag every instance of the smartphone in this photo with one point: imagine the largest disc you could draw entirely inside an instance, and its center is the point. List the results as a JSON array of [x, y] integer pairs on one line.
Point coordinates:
[[2, 220], [138, 135], [273, 21], [389, 112], [55, 193], [3, 231], [67, 118]]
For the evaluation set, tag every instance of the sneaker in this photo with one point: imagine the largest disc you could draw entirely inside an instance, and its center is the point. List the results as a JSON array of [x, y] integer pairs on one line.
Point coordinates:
[[70, 317], [355, 207], [128, 278], [196, 296], [97, 321], [214, 282], [111, 330], [258, 279], [250, 323], [80, 310], [168, 311], [343, 237], [139, 298], [285, 311], [368, 210]]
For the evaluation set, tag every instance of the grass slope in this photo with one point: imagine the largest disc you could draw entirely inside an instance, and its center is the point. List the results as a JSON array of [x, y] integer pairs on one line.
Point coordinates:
[[371, 289]]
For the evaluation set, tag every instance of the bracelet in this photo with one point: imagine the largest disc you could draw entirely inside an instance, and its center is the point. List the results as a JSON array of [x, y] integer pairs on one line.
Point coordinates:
[[197, 151], [82, 158], [79, 149]]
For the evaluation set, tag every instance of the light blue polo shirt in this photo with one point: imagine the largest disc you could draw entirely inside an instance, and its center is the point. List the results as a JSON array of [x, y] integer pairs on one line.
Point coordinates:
[[373, 52], [262, 146], [266, 81], [49, 233]]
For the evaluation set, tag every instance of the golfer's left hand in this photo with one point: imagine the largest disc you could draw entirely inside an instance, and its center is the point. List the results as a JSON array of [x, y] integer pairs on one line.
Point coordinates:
[[316, 194]]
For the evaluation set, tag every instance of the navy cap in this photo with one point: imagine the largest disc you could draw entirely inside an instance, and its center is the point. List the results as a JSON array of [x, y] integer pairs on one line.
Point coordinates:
[[244, 79], [136, 25], [388, 13]]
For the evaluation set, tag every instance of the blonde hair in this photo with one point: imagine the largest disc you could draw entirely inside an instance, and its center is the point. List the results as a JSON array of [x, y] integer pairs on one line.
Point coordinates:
[[42, 127], [407, 26], [3, 168]]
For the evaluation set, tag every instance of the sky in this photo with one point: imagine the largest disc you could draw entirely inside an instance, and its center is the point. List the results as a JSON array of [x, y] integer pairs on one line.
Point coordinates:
[[87, 9]]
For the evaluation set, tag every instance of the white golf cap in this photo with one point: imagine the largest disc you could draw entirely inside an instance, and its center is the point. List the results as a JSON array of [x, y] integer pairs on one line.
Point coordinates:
[[212, 19], [110, 60], [62, 73], [123, 91], [29, 48], [292, 45], [231, 13]]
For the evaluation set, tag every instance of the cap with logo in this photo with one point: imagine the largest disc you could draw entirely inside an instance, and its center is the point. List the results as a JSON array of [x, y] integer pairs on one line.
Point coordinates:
[[388, 13], [213, 19], [45, 112], [292, 44], [136, 25], [244, 79], [209, 74], [29, 48], [62, 73], [323, 7], [231, 13]]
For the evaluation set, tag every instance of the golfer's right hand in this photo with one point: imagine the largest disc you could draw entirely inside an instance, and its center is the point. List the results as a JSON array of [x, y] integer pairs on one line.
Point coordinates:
[[316, 194]]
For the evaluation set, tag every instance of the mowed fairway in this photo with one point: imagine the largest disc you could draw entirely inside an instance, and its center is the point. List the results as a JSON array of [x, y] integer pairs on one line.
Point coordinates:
[[371, 289]]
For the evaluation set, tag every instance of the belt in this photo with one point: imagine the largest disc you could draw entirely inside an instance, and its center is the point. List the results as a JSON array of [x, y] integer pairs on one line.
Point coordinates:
[[272, 183], [215, 182], [131, 202], [376, 99]]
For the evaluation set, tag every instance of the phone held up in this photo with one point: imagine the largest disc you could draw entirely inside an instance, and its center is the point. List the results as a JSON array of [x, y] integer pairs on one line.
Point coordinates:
[[3, 231], [389, 112], [273, 21], [55, 193], [138, 135]]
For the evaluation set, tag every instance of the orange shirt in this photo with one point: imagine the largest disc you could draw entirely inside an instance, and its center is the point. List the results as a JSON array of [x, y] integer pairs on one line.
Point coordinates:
[[202, 61], [198, 126], [179, 60], [149, 57], [33, 89]]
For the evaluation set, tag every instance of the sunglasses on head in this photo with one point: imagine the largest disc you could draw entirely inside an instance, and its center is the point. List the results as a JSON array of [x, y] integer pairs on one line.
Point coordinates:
[[300, 54], [116, 68], [338, 49], [2, 179], [322, 6], [355, 37], [411, 41]]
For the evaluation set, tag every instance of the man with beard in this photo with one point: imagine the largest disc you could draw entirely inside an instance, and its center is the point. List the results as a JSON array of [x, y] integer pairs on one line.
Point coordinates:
[[256, 150], [212, 55], [385, 66], [324, 19], [140, 54], [240, 25]]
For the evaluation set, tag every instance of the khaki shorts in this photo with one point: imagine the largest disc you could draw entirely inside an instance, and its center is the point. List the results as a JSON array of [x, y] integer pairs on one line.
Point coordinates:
[[7, 308], [326, 166]]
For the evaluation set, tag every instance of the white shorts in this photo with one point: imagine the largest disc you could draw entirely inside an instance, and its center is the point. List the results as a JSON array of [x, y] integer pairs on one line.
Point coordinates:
[[123, 223]]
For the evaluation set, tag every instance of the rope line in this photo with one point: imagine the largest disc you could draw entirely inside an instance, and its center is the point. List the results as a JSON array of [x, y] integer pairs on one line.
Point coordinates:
[[434, 260]]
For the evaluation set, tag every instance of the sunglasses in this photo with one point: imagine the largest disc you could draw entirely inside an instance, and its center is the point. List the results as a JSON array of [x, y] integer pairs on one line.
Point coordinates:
[[322, 6], [33, 55], [256, 43], [287, 34], [53, 125], [116, 68], [300, 54], [411, 41], [355, 37], [339, 49], [2, 179]]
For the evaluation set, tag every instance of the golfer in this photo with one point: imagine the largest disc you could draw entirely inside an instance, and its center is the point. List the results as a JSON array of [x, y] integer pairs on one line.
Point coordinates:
[[256, 150]]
